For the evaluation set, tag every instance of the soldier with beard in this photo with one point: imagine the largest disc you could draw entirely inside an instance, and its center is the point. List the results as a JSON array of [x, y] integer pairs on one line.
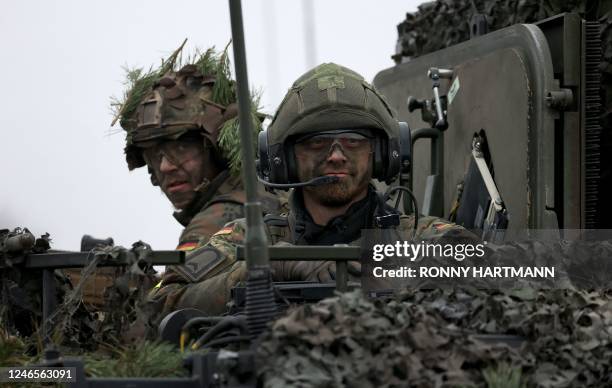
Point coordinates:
[[332, 134]]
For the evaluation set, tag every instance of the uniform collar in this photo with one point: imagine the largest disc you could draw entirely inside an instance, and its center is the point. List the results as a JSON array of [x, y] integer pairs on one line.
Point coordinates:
[[339, 230]]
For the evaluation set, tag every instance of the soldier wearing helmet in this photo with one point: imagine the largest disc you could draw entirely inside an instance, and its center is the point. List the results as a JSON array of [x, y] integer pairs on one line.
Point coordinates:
[[182, 125], [332, 134]]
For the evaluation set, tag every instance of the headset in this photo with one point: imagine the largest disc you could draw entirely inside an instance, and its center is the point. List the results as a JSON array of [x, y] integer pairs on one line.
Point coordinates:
[[276, 167]]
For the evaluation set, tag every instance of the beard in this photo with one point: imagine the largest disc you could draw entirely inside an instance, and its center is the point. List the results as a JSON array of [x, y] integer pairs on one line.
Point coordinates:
[[340, 193]]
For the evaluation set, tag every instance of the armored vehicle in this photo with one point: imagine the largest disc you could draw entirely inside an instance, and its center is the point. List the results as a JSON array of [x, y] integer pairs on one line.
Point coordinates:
[[519, 110], [528, 98]]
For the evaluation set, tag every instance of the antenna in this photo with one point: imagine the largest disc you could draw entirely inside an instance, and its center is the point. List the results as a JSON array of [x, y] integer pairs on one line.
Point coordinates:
[[309, 33], [260, 303]]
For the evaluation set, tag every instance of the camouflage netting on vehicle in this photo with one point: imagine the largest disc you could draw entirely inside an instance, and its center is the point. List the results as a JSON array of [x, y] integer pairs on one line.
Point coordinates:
[[75, 327], [426, 339], [440, 24], [122, 298], [419, 338], [22, 289]]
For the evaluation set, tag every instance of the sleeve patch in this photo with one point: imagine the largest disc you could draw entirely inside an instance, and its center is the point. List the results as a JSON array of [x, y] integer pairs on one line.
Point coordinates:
[[226, 230], [188, 246], [201, 262], [440, 226]]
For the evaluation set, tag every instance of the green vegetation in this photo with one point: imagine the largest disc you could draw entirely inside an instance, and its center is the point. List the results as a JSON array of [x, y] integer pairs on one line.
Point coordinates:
[[145, 359], [503, 376]]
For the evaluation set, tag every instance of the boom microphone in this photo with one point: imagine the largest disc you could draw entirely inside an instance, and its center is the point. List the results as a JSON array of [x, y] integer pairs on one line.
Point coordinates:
[[318, 181]]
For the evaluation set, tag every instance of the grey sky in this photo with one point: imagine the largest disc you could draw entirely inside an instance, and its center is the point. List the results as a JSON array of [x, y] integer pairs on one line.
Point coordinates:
[[63, 169]]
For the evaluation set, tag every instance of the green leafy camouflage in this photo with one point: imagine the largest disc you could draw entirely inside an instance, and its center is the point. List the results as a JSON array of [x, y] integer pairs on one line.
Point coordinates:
[[138, 83], [503, 376], [145, 359], [229, 137], [208, 64], [13, 349]]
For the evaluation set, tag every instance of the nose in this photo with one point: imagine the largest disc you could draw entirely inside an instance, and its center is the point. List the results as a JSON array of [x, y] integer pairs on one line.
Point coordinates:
[[336, 155], [165, 165]]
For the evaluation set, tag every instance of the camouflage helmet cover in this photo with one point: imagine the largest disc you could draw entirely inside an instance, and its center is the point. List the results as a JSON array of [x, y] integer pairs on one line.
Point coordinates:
[[166, 103], [179, 102], [331, 97]]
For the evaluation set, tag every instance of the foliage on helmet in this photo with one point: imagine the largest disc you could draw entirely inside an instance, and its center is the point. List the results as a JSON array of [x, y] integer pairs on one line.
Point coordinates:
[[218, 104], [138, 83], [229, 137]]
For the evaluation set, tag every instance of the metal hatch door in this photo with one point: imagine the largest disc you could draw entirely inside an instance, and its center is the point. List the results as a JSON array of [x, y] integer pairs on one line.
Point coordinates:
[[503, 79]]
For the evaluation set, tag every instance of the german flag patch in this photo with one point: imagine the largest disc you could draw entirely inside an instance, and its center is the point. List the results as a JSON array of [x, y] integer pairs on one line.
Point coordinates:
[[188, 246], [441, 226], [225, 230]]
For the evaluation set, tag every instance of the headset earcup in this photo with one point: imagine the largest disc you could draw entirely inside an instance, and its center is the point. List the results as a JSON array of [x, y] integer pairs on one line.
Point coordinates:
[[263, 160], [393, 160], [271, 165], [398, 153], [405, 147], [278, 164], [290, 165], [378, 162]]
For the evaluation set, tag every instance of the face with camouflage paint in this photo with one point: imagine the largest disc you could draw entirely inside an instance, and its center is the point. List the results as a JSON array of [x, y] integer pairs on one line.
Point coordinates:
[[342, 158], [181, 167]]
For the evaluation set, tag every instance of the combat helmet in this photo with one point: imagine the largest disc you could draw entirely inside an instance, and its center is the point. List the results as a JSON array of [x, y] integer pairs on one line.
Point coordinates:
[[331, 97], [174, 100]]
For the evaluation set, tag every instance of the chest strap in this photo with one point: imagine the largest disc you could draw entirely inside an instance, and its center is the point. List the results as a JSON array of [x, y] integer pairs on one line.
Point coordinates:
[[278, 228]]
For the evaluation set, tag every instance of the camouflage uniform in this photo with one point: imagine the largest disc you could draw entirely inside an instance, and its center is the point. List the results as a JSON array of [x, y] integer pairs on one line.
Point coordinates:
[[199, 98], [219, 203], [196, 103], [212, 270], [217, 209], [326, 98]]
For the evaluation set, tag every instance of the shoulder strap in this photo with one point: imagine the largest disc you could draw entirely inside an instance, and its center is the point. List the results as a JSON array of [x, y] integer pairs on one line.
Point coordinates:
[[385, 216], [278, 227], [231, 197], [229, 191]]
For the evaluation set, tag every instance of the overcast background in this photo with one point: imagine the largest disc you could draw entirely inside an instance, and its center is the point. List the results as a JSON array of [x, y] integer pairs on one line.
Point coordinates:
[[62, 167]]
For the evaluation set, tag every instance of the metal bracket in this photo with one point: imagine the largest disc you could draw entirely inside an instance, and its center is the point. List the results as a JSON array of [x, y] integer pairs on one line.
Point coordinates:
[[496, 212]]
